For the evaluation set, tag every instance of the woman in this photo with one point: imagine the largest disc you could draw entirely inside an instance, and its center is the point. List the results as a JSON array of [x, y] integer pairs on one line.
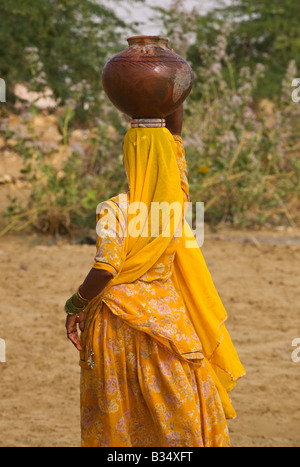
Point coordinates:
[[156, 359]]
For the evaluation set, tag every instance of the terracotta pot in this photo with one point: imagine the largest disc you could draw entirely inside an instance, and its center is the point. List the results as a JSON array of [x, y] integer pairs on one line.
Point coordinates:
[[147, 80]]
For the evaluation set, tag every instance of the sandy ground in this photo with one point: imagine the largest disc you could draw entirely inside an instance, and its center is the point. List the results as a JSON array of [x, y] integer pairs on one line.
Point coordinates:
[[258, 281]]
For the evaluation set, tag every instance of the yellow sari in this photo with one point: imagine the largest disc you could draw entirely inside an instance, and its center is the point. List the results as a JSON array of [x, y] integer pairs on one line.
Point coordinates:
[[206, 353]]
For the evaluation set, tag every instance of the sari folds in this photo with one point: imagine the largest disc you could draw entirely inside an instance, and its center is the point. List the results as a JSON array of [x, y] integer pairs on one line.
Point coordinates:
[[153, 176]]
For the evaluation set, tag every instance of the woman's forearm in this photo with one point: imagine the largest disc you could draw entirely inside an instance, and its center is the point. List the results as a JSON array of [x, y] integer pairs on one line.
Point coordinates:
[[94, 283]]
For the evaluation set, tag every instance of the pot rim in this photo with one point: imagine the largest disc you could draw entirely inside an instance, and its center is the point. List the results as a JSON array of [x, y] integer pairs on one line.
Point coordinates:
[[154, 38]]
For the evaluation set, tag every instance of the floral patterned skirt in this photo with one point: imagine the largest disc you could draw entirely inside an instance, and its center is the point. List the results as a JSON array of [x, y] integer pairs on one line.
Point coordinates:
[[139, 394]]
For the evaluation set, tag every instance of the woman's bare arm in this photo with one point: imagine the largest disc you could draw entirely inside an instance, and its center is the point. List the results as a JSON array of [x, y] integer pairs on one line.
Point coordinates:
[[94, 283]]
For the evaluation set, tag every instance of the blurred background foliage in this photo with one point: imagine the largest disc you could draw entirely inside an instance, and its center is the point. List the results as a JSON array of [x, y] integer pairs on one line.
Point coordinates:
[[241, 127], [259, 32]]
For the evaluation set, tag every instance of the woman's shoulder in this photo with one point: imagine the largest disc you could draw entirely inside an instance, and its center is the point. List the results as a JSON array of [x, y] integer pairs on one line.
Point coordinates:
[[121, 200], [115, 206], [118, 202], [111, 215]]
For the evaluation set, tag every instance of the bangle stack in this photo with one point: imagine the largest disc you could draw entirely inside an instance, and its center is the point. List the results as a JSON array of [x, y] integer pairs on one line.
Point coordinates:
[[71, 309], [84, 301]]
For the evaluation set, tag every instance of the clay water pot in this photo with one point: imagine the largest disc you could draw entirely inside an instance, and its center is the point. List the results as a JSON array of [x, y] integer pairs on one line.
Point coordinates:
[[147, 80]]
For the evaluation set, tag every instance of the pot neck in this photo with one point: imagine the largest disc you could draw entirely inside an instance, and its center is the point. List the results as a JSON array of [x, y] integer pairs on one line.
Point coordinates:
[[148, 40]]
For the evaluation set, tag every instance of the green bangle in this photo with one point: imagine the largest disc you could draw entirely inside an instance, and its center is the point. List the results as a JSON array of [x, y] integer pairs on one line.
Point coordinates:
[[80, 298], [71, 309]]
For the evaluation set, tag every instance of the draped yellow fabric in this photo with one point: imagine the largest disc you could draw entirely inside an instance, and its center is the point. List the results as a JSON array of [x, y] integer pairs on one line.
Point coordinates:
[[153, 175]]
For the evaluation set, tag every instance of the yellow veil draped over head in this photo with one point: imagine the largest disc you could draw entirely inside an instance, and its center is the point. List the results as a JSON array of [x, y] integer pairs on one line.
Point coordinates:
[[153, 176]]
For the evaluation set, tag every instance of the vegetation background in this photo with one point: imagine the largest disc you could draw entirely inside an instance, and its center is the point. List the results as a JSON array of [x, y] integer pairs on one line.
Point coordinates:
[[64, 138]]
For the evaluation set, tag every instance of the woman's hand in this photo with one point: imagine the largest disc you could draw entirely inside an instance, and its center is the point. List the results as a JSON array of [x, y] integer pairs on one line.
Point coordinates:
[[71, 326], [95, 282]]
